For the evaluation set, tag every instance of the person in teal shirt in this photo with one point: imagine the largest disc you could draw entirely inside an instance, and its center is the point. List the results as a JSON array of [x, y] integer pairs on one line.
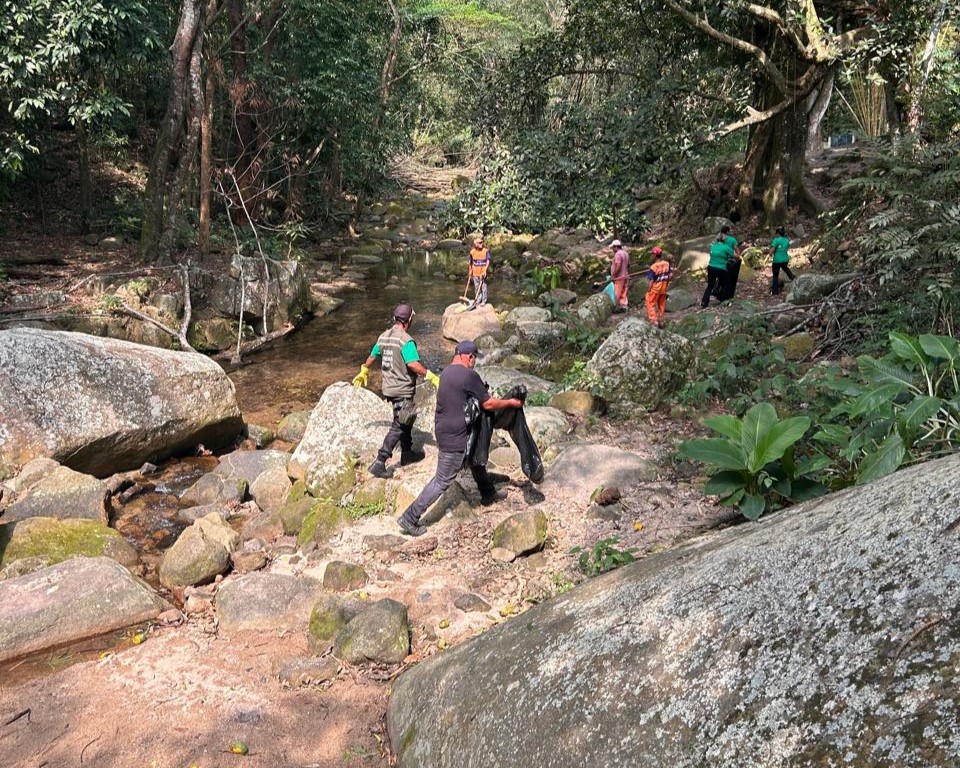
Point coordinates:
[[720, 252], [780, 250], [728, 286], [400, 365]]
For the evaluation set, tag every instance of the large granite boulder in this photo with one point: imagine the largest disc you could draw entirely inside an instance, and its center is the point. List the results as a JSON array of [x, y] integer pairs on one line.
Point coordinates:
[[52, 541], [100, 405], [279, 287], [559, 296], [583, 468], [501, 379], [595, 310], [460, 324], [347, 421], [250, 465], [823, 635], [61, 493], [809, 287], [266, 602], [695, 253], [78, 598], [639, 366], [526, 315]]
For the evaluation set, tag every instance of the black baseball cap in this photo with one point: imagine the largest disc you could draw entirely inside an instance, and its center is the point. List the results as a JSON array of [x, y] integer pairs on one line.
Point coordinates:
[[468, 348], [403, 312]]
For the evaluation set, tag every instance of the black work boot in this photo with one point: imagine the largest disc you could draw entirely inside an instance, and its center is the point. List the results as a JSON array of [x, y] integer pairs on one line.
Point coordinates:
[[379, 469], [411, 456], [410, 529], [492, 497]]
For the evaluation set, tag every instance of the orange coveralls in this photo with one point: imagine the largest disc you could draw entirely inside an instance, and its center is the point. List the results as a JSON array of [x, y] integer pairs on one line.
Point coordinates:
[[659, 276]]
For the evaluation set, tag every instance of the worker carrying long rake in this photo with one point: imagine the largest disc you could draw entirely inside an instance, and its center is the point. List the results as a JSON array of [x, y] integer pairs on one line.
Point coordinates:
[[479, 266]]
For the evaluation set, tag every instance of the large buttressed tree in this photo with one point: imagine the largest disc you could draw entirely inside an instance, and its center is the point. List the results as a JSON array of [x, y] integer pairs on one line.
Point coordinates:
[[793, 49]]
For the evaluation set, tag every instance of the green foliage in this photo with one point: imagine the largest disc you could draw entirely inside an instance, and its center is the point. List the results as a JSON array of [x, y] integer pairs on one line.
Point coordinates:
[[754, 468], [904, 407], [740, 365], [541, 279], [538, 398], [603, 556], [357, 511], [904, 216], [65, 60]]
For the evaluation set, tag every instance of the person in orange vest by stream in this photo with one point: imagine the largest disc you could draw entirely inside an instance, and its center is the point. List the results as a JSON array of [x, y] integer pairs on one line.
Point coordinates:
[[659, 276], [479, 265]]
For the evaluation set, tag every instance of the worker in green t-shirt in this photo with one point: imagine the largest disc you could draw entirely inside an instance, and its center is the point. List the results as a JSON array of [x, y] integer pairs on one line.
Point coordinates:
[[728, 286], [400, 365], [780, 251], [720, 252]]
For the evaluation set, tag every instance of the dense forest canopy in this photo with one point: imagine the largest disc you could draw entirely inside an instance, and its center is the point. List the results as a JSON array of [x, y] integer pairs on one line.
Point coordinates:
[[288, 114]]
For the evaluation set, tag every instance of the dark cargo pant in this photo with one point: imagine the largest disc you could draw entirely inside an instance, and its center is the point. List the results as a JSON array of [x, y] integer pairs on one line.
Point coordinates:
[[401, 429], [449, 465]]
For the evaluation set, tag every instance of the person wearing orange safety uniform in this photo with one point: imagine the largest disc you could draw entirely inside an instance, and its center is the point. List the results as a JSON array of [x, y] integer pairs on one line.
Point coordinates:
[[479, 265], [659, 276]]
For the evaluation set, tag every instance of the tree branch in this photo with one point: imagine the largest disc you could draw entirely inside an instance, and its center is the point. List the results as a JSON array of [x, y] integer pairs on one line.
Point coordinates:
[[770, 69], [180, 336]]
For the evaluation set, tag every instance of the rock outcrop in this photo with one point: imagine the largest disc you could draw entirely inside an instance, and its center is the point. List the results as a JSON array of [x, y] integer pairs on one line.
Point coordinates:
[[582, 468], [824, 635], [78, 598], [459, 324], [100, 405], [61, 493], [347, 421], [639, 366]]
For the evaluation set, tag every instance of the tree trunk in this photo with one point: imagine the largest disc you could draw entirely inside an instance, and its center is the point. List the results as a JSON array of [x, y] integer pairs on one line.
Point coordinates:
[[181, 176], [86, 196], [206, 145], [818, 102], [386, 85], [890, 105], [244, 156], [925, 65], [774, 195], [172, 129]]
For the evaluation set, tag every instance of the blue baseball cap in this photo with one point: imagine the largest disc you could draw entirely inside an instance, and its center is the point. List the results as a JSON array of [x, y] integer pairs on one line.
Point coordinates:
[[468, 348]]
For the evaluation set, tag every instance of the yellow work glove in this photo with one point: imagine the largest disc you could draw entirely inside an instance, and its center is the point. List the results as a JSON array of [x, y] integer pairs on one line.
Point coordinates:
[[360, 380], [433, 378]]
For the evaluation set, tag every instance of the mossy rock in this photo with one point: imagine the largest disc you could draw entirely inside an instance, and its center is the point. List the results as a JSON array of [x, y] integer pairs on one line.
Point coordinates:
[[344, 577], [374, 496], [518, 362], [212, 335], [293, 514], [58, 540], [324, 519], [798, 346], [339, 486], [523, 532], [379, 634], [330, 614]]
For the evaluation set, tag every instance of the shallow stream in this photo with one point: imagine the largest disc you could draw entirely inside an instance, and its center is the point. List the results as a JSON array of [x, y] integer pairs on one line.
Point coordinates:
[[292, 373]]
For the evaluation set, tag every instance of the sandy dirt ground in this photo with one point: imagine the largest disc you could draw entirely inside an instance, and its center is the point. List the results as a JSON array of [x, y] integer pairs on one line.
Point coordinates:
[[184, 695]]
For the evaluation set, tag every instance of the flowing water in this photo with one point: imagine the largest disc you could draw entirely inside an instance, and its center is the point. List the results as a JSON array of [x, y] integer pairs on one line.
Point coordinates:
[[293, 372]]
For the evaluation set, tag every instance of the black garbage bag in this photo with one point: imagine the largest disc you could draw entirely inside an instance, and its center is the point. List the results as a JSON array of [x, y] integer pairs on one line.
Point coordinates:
[[513, 421]]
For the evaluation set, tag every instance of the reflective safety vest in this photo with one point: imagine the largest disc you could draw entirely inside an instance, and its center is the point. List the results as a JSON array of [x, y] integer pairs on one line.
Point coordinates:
[[659, 275], [398, 380], [479, 261]]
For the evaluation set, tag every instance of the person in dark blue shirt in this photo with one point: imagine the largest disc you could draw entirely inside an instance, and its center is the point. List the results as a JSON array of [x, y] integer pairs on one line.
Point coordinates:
[[458, 383]]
